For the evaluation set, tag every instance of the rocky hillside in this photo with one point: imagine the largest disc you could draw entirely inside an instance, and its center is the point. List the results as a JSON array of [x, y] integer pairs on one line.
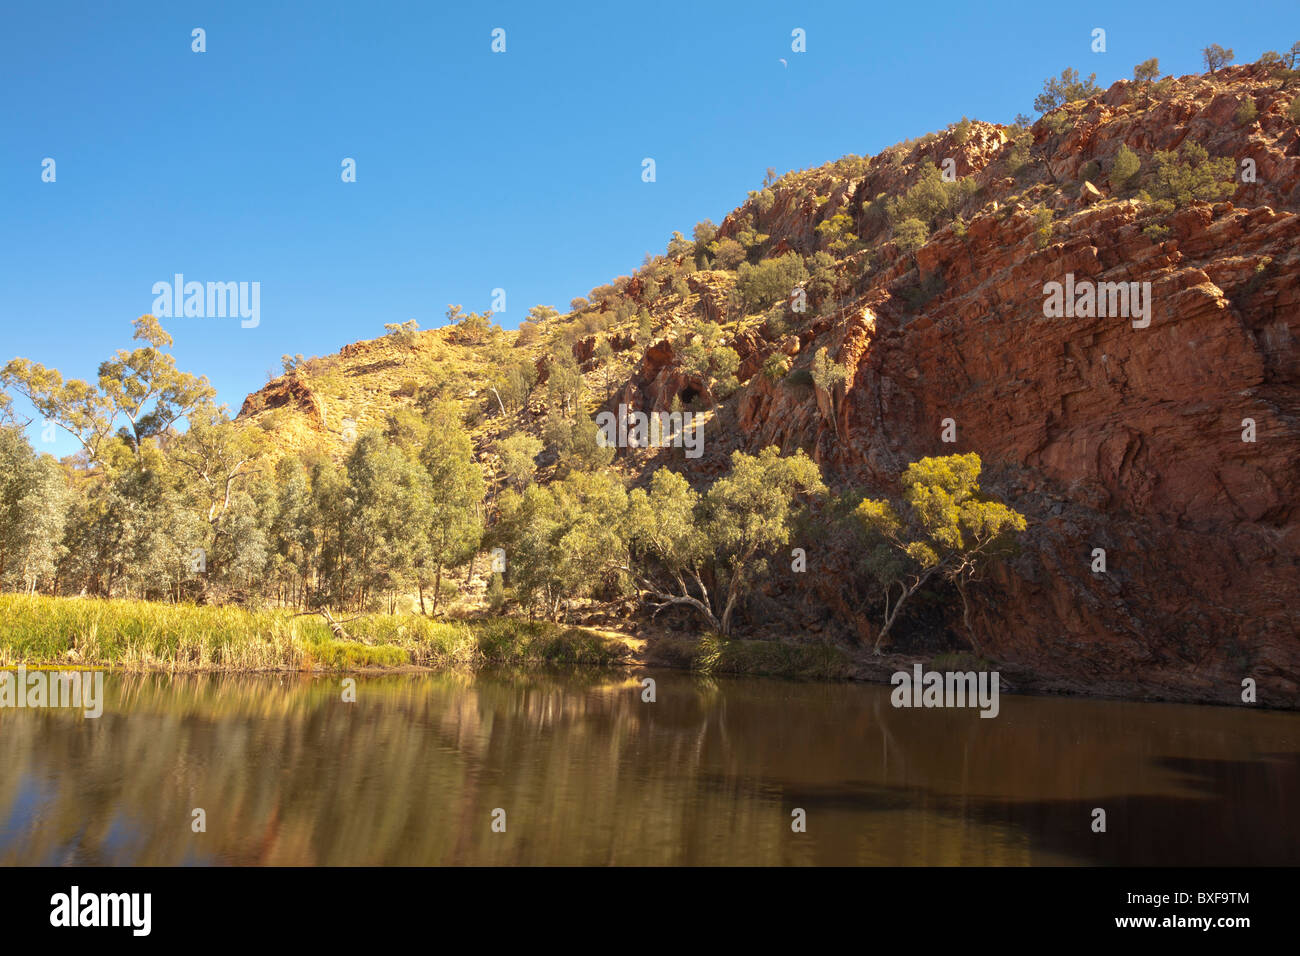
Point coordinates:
[[1106, 432]]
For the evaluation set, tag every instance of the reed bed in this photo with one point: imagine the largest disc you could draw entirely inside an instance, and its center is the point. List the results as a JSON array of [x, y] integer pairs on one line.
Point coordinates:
[[142, 635]]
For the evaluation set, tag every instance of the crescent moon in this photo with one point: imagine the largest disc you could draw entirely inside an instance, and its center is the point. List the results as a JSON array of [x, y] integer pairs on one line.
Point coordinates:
[[782, 62]]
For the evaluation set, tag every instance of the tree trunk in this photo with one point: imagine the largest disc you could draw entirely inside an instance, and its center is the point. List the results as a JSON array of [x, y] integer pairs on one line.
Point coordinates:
[[965, 613], [893, 615]]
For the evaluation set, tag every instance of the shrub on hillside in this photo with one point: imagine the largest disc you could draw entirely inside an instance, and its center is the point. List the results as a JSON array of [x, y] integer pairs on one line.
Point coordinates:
[[770, 281], [910, 235], [727, 254], [1216, 56], [1124, 168], [932, 200], [1058, 122], [1057, 91], [1191, 175], [1017, 158]]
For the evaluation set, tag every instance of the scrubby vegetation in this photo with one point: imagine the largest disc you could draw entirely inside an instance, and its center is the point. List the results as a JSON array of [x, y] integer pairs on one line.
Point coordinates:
[[1178, 179]]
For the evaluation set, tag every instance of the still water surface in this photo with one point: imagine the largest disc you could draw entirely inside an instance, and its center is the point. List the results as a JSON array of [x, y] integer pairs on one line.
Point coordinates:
[[588, 773]]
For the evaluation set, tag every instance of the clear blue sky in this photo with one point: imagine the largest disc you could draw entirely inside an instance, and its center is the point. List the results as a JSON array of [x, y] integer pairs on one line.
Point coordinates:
[[475, 170]]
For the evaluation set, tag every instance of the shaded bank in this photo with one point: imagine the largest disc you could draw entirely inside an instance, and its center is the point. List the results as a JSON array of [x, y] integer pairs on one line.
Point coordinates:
[[141, 635]]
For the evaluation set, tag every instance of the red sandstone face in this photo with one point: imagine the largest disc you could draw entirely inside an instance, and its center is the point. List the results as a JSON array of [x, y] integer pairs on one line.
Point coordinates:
[[1106, 435]]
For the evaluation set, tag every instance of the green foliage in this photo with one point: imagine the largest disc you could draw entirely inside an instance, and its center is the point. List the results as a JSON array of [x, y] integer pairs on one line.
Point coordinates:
[[775, 366], [519, 457], [1246, 112], [678, 245], [587, 451], [1043, 227], [704, 355], [748, 236], [727, 253], [385, 511], [823, 277], [542, 315], [1190, 175], [1263, 270], [1058, 122], [404, 334], [750, 512], [1017, 158], [959, 661], [744, 516], [1090, 171], [771, 281], [850, 167], [453, 498], [837, 235], [931, 200], [564, 383], [644, 327], [910, 234], [514, 384], [1216, 56], [1057, 91], [917, 296], [961, 132], [184, 637], [763, 199], [34, 502], [1293, 111], [1147, 71], [565, 540], [1124, 168], [557, 432], [142, 387], [703, 234], [495, 595], [944, 526], [827, 374]]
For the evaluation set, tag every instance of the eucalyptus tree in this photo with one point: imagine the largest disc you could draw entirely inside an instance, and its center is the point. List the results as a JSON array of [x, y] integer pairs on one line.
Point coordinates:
[[142, 386], [724, 536], [453, 511], [33, 508], [944, 526]]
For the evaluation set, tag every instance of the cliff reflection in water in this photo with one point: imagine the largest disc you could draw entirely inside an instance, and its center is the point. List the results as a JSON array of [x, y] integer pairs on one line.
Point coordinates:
[[589, 774]]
